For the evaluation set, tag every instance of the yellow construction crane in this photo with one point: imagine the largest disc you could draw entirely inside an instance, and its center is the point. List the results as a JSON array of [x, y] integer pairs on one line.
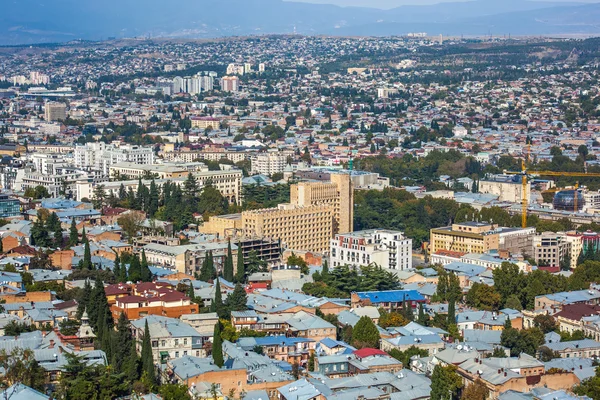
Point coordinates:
[[524, 175]]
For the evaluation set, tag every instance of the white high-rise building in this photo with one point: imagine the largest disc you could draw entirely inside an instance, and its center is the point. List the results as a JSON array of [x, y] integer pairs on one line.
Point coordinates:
[[386, 248], [100, 156], [178, 84], [269, 163]]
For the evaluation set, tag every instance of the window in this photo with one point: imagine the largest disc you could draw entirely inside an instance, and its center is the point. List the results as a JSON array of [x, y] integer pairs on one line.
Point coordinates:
[[176, 354]]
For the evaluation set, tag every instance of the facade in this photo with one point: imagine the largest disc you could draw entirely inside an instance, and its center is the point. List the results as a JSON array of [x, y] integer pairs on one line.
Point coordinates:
[[516, 240], [171, 304], [300, 228], [467, 237], [338, 193], [230, 84], [205, 122], [550, 248], [170, 338], [508, 187], [188, 259], [54, 111], [9, 207], [101, 156], [386, 248], [269, 163]]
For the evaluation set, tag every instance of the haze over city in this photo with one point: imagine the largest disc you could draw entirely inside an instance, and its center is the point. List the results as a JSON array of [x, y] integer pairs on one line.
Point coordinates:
[[273, 200]]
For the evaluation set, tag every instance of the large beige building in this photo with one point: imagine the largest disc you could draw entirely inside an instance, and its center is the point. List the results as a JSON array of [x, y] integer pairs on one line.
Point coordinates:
[[338, 193], [298, 227], [190, 156], [467, 237], [317, 211], [550, 248], [54, 111], [506, 186]]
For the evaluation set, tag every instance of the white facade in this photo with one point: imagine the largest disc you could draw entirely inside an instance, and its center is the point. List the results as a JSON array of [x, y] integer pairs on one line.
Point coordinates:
[[100, 156], [269, 163], [386, 248]]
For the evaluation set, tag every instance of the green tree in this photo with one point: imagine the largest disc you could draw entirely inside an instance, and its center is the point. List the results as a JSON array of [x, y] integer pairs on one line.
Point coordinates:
[[240, 273], [236, 301], [218, 305], [228, 267], [405, 356], [217, 346], [135, 269], [207, 270], [174, 391], [445, 383], [87, 257], [84, 299], [147, 359], [451, 312], [475, 391], [145, 274], [365, 334]]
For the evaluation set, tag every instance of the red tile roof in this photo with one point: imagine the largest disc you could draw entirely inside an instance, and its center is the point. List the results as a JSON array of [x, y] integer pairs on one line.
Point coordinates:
[[366, 352]]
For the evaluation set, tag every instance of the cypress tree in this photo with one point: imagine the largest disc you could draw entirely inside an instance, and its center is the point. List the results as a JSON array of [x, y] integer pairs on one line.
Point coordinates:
[[153, 200], [135, 269], [87, 256], [422, 317], [147, 359], [191, 294], [241, 270], [451, 312], [73, 234], [217, 346], [207, 271], [218, 305], [83, 236], [145, 274], [85, 299], [236, 301], [117, 268], [228, 268], [122, 342]]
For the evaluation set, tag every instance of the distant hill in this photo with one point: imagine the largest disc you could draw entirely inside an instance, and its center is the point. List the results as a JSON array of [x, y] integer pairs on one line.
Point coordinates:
[[39, 21]]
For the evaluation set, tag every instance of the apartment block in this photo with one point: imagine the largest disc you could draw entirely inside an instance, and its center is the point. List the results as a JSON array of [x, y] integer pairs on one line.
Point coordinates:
[[550, 248], [298, 227], [467, 237], [386, 248], [338, 193], [55, 111], [269, 163], [101, 156]]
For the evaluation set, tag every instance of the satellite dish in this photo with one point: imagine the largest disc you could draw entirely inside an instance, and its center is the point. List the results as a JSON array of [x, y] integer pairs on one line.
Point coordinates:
[[459, 347]]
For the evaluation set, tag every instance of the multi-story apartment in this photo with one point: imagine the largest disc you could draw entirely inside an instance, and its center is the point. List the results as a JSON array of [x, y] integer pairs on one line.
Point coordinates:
[[188, 259], [298, 227], [550, 248], [55, 111], [269, 163], [101, 156], [338, 193], [466, 237], [63, 181], [205, 122], [386, 248], [170, 338], [190, 156], [235, 69], [230, 84]]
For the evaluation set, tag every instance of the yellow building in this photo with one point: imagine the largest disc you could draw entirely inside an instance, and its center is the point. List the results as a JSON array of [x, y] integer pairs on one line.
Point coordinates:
[[222, 225], [338, 194], [467, 237], [300, 228]]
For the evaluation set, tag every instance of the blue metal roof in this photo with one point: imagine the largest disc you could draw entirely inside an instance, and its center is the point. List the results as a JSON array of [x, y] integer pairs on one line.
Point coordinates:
[[391, 296]]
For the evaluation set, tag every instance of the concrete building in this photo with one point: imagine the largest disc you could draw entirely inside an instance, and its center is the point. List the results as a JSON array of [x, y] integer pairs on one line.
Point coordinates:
[[508, 187], [170, 338], [298, 227], [230, 84], [386, 248], [550, 248], [100, 156], [55, 111], [338, 193], [466, 237], [516, 240], [205, 122], [269, 163]]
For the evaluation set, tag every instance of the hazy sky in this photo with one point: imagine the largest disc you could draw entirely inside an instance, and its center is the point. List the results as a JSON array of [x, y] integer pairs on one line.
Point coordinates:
[[396, 3]]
